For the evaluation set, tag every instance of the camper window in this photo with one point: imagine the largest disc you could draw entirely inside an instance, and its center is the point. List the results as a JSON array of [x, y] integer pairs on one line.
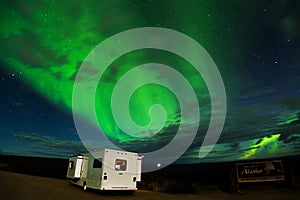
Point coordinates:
[[71, 163], [120, 165], [97, 163]]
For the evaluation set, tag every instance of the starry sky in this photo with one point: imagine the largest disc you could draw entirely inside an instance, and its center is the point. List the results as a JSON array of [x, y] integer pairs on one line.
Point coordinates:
[[255, 45]]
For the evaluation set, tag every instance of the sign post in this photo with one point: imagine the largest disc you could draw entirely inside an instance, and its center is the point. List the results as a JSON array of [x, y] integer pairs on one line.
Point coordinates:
[[260, 171]]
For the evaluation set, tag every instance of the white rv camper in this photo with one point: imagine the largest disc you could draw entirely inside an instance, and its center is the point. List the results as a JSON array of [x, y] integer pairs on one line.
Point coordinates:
[[109, 170]]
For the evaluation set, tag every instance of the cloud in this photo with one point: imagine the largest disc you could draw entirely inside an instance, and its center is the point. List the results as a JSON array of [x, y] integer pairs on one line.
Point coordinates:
[[292, 102], [49, 146], [248, 148]]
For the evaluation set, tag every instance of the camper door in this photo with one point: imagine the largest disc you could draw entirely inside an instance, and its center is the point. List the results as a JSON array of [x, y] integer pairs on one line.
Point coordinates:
[[78, 166]]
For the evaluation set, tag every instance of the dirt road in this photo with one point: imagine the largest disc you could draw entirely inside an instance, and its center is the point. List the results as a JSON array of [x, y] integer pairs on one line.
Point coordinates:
[[21, 186]]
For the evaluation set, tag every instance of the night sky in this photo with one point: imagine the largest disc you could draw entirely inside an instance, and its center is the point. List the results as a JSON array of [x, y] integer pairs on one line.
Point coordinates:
[[255, 45]]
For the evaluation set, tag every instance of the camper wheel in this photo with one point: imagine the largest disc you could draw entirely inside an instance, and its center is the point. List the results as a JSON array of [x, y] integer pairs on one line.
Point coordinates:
[[84, 186]]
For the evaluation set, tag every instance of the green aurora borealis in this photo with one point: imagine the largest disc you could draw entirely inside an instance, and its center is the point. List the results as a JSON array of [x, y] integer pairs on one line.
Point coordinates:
[[43, 43]]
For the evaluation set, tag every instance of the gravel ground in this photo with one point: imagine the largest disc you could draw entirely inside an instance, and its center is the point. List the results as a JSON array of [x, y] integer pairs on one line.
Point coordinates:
[[22, 186]]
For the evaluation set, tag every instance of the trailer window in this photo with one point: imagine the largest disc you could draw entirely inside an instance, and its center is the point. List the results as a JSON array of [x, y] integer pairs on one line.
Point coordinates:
[[97, 163], [71, 164], [120, 165]]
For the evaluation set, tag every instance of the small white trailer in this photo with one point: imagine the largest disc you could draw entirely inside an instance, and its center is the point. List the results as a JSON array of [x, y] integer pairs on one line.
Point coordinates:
[[108, 170]]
